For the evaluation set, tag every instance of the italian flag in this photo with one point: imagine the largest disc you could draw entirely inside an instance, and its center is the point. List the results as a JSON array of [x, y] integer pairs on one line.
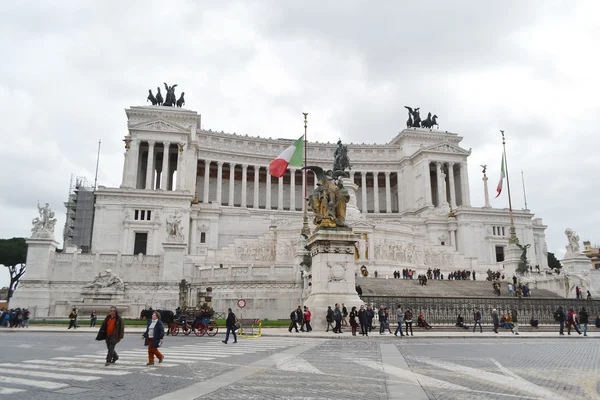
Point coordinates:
[[502, 176], [290, 156]]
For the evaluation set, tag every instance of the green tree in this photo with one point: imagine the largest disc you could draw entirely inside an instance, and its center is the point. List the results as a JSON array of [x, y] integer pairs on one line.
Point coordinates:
[[13, 255], [553, 262]]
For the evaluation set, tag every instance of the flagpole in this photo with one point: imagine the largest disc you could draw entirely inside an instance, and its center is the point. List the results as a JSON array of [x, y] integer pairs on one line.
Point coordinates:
[[513, 239], [305, 228], [524, 193]]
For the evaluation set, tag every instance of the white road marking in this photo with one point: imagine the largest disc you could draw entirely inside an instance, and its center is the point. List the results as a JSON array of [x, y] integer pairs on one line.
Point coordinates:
[[295, 364], [25, 346], [119, 364], [50, 375], [64, 348], [35, 383], [10, 390], [511, 381], [94, 364], [65, 369]]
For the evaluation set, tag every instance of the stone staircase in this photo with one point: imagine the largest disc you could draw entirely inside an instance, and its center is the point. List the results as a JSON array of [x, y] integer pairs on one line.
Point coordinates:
[[437, 288]]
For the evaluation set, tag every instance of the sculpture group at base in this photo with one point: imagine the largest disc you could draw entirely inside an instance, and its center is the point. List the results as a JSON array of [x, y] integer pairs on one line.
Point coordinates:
[[106, 279], [43, 226], [170, 101]]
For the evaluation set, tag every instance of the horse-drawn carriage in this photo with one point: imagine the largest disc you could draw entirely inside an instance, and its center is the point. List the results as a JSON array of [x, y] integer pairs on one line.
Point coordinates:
[[202, 324], [202, 321]]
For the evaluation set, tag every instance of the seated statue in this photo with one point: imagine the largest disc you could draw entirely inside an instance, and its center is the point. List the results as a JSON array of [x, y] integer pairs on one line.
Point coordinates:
[[105, 279]]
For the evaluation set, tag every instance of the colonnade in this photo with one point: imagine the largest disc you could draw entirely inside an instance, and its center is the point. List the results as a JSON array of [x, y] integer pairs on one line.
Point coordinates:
[[150, 165], [379, 191]]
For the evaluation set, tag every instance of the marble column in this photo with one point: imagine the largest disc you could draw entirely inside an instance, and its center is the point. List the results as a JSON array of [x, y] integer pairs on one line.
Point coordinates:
[[219, 181], [150, 165], [292, 189], [399, 179], [280, 193], [388, 193], [363, 184], [180, 147], [244, 183], [193, 244], [376, 191], [205, 197], [428, 188], [268, 190], [126, 158], [438, 173], [164, 174], [231, 184], [256, 202], [451, 183], [464, 178], [134, 149]]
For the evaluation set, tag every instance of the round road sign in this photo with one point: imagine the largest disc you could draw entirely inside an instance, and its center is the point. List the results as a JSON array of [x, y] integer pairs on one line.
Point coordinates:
[[241, 303]]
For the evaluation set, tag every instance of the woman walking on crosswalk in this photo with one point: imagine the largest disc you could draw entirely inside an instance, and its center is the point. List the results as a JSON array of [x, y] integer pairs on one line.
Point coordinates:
[[155, 331]]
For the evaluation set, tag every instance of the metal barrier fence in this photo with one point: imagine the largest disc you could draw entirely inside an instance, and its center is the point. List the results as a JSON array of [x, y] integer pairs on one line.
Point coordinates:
[[444, 310], [250, 327]]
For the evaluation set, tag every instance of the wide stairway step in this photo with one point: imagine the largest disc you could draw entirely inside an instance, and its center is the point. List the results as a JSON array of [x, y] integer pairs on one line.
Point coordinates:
[[437, 288]]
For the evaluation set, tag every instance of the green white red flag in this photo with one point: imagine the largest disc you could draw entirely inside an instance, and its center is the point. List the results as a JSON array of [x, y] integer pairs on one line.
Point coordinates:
[[502, 176], [293, 155]]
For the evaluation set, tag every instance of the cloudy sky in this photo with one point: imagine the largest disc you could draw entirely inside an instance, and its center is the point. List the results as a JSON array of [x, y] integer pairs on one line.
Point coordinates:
[[69, 69]]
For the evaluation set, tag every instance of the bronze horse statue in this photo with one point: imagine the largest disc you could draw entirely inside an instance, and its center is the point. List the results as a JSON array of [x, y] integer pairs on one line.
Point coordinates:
[[430, 122], [151, 97]]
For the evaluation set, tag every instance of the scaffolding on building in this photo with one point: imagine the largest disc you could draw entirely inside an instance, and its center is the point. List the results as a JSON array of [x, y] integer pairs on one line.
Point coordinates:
[[80, 215]]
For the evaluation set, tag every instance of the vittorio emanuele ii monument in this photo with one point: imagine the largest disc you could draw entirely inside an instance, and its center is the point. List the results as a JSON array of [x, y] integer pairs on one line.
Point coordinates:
[[199, 209]]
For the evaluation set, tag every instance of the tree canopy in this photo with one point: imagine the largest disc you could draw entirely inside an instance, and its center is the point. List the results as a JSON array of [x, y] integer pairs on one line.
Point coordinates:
[[553, 262], [13, 254]]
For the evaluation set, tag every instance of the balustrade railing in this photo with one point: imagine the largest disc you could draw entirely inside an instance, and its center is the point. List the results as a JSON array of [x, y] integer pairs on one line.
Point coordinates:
[[444, 310]]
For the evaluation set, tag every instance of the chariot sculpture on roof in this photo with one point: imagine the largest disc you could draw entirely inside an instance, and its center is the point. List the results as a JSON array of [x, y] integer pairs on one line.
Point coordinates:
[[169, 101], [414, 119]]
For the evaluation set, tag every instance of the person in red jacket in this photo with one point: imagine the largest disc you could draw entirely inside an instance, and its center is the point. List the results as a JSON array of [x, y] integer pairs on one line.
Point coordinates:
[[307, 315]]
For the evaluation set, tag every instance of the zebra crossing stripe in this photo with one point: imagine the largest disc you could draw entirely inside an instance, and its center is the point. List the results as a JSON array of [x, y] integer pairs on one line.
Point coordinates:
[[90, 364], [10, 390], [50, 375], [120, 364], [35, 383], [66, 369]]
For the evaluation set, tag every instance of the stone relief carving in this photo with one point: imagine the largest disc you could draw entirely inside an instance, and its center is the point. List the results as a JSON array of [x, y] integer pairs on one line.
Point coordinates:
[[174, 228], [410, 253], [337, 272], [573, 246], [106, 279], [158, 126], [286, 250], [43, 226]]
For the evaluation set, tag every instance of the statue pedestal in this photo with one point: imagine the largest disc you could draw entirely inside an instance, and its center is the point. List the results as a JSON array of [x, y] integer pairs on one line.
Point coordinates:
[[332, 270], [353, 214], [576, 271], [512, 258], [173, 258]]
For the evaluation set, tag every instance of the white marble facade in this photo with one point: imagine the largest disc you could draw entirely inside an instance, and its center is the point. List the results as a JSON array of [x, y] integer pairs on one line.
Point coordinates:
[[240, 226]]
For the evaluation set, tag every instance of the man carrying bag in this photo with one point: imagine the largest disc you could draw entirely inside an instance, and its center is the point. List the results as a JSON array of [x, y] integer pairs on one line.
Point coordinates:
[[112, 331]]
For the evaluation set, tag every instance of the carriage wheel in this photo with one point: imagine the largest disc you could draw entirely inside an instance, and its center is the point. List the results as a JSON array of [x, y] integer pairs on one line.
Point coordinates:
[[174, 330], [187, 330], [212, 329], [199, 329]]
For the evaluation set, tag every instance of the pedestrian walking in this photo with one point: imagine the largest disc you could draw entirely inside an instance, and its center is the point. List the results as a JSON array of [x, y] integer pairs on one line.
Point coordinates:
[[408, 321], [362, 319], [76, 317], [26, 315], [382, 320], [230, 325], [514, 313], [572, 321], [559, 316], [307, 316], [353, 320], [72, 317], [112, 331], [400, 316], [293, 321], [337, 317], [344, 315], [584, 320], [93, 319], [477, 319], [153, 338], [495, 320], [329, 319], [370, 317], [300, 318]]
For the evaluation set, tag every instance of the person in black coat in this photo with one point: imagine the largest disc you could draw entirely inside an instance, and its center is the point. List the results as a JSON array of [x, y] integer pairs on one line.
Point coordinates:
[[153, 338], [559, 316], [329, 319], [230, 325], [370, 316], [362, 319], [337, 317]]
